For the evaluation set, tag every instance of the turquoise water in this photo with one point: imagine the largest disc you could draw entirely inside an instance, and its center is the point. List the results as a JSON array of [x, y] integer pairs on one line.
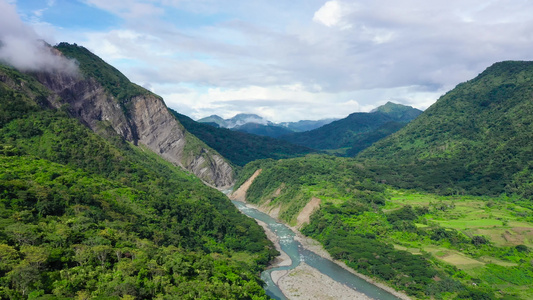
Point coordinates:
[[298, 254]]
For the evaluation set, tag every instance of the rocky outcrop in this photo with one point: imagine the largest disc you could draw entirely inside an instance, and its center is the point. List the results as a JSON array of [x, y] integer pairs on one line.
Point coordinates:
[[144, 119], [88, 101], [159, 130]]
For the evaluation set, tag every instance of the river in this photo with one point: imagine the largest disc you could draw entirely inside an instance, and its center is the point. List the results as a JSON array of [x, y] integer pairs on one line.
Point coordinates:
[[300, 254]]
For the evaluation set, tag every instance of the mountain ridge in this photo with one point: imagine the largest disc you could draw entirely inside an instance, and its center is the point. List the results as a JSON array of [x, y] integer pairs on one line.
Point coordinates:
[[255, 124], [356, 129], [103, 94]]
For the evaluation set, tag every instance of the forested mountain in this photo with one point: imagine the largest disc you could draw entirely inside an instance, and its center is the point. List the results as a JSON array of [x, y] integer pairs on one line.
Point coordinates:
[[240, 147], [475, 139], [102, 96], [474, 146], [357, 131], [263, 130], [400, 113], [86, 215]]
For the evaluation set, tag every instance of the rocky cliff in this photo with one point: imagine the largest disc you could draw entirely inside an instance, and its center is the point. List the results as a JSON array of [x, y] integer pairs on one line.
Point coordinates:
[[141, 119]]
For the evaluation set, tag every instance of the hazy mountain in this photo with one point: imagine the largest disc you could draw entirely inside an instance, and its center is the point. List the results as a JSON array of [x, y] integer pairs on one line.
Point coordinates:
[[254, 124], [356, 130], [242, 119], [240, 147], [476, 138], [305, 125], [214, 119], [237, 120]]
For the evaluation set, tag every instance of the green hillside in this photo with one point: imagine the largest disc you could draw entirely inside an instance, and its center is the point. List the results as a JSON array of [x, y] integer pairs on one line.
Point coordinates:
[[431, 247], [475, 139], [269, 130], [86, 217], [240, 147], [357, 131]]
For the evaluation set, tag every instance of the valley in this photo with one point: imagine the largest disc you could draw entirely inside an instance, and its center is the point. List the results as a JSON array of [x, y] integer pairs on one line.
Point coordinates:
[[106, 193], [304, 274], [466, 245]]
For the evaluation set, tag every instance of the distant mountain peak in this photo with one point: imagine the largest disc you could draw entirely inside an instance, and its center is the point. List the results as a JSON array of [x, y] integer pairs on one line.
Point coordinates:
[[243, 118], [391, 107], [245, 115], [235, 121], [213, 119], [357, 131], [398, 111]]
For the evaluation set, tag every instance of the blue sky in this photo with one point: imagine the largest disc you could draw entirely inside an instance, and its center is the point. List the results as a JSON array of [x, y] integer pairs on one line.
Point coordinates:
[[290, 60]]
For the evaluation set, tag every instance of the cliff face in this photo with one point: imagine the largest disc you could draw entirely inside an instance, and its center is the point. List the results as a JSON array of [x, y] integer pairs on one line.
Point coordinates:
[[143, 119], [159, 130]]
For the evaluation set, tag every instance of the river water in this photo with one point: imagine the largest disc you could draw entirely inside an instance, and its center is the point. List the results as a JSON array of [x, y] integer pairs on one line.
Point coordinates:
[[298, 254]]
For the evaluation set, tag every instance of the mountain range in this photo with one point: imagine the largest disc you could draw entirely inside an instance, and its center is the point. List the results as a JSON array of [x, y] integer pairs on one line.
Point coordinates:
[[345, 137], [241, 147], [254, 124], [357, 131]]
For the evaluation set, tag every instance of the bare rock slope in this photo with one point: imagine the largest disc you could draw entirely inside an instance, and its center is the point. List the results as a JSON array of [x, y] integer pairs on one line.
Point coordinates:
[[143, 119]]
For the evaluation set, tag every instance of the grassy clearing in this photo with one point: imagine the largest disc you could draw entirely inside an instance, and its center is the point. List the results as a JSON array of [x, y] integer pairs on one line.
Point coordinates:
[[503, 223], [416, 251], [454, 258]]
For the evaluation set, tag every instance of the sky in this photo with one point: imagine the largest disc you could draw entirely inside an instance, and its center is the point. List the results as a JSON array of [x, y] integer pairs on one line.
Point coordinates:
[[286, 60]]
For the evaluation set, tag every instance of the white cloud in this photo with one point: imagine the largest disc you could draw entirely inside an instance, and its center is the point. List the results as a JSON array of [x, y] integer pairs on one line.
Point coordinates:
[[330, 14], [23, 49], [250, 54], [289, 103], [131, 9]]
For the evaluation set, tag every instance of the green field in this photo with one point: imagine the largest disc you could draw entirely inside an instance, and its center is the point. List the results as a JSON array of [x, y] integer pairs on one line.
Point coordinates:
[[502, 221]]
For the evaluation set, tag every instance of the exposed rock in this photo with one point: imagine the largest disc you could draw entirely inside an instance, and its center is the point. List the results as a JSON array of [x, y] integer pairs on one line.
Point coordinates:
[[306, 282], [144, 119]]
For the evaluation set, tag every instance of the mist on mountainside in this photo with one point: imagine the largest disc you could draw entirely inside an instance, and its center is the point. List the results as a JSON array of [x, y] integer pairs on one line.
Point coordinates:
[[22, 48]]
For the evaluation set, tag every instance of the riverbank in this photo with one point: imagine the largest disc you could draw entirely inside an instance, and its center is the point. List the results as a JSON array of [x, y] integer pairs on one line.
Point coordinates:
[[316, 247], [281, 260], [306, 283]]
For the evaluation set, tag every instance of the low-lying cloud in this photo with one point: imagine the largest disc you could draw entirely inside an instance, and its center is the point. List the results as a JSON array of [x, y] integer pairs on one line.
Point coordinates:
[[22, 48]]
